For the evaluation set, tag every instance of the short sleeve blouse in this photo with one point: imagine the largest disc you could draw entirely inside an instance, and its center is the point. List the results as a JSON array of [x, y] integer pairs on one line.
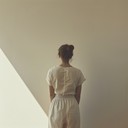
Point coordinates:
[[64, 79]]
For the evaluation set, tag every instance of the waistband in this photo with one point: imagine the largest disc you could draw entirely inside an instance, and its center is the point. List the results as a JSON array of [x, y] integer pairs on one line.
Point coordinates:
[[64, 96]]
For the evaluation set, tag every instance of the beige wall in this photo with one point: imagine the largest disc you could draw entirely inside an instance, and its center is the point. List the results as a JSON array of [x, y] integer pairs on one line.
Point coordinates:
[[18, 107], [32, 31]]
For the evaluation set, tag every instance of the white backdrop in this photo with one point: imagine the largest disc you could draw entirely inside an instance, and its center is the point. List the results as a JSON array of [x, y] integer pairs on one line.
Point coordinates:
[[18, 107]]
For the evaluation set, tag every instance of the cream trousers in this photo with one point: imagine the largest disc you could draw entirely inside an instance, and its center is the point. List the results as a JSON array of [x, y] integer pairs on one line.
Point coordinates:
[[64, 112]]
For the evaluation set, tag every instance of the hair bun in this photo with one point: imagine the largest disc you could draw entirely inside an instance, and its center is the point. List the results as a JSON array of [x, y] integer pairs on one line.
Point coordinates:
[[71, 47]]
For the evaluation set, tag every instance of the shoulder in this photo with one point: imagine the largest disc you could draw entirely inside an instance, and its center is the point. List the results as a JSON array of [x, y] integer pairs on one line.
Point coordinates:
[[53, 68], [78, 72], [76, 69]]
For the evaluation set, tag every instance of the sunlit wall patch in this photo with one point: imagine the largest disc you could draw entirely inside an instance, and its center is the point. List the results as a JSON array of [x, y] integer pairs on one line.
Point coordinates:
[[18, 107]]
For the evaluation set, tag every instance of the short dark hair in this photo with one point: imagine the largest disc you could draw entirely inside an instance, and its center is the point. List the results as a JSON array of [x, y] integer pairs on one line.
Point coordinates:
[[66, 51]]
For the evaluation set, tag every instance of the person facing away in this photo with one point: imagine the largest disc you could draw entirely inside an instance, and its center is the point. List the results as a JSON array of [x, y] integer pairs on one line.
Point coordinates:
[[65, 83]]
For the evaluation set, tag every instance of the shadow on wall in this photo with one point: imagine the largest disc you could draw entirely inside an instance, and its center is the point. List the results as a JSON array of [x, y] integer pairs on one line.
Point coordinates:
[[105, 99], [18, 107]]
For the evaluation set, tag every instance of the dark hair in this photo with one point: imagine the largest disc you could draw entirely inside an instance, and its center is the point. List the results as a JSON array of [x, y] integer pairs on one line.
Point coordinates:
[[66, 51]]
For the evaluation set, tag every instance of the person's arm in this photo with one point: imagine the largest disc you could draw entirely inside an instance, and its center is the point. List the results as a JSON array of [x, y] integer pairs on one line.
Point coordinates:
[[78, 93], [51, 91]]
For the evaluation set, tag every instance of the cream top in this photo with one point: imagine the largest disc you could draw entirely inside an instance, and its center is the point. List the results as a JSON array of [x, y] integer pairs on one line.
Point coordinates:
[[64, 79]]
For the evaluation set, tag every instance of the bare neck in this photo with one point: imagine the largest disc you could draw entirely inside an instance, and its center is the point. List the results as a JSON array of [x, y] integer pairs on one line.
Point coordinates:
[[65, 64]]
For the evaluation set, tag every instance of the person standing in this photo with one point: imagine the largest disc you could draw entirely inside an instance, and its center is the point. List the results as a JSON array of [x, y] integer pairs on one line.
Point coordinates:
[[65, 84]]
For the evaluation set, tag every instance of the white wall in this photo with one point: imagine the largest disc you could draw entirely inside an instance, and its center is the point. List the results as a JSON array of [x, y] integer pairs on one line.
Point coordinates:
[[18, 107], [32, 31]]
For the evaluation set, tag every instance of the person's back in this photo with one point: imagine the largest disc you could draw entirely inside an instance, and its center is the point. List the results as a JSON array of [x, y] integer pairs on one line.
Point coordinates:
[[65, 79], [65, 88]]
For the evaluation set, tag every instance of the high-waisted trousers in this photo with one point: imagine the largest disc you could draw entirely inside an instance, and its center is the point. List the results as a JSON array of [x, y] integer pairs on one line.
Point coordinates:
[[64, 112]]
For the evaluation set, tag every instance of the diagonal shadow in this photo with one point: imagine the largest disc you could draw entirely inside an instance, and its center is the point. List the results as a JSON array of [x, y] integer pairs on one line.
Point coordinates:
[[18, 107]]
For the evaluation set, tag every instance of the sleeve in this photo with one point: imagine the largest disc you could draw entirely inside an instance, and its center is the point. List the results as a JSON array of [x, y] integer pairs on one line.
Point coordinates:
[[81, 79], [49, 77]]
